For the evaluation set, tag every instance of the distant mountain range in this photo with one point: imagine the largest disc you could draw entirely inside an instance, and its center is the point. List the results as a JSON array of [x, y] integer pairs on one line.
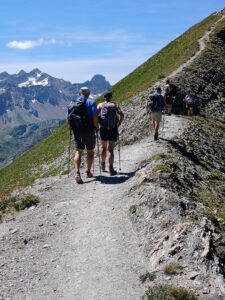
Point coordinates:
[[34, 97], [34, 103]]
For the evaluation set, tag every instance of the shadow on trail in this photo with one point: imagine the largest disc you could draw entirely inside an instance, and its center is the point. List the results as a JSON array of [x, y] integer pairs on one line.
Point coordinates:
[[117, 179]]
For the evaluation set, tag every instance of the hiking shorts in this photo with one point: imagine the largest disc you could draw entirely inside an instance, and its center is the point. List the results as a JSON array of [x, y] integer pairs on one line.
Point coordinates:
[[169, 100], [109, 134], [189, 105], [85, 140], [156, 116]]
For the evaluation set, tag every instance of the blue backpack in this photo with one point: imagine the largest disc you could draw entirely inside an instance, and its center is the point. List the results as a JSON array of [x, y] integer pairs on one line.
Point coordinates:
[[155, 102]]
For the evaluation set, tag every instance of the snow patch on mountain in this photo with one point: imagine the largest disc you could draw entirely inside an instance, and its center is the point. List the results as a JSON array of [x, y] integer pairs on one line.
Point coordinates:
[[33, 81]]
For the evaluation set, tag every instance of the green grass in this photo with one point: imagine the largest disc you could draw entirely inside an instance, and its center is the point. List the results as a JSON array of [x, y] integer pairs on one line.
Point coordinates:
[[162, 63], [147, 276], [162, 167], [165, 292], [31, 165], [17, 203]]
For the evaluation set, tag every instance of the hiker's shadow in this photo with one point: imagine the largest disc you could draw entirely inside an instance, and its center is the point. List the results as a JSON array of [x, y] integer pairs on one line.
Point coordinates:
[[117, 179]]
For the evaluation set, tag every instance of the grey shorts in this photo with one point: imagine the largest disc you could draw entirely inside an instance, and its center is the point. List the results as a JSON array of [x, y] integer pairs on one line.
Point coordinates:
[[85, 140], [156, 116]]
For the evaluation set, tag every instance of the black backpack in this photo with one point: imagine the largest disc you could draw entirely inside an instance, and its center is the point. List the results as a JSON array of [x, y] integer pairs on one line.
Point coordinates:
[[108, 115], [171, 90], [155, 102], [78, 118]]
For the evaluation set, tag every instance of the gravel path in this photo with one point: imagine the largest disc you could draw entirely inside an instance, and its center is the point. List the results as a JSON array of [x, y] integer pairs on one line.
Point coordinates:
[[79, 242]]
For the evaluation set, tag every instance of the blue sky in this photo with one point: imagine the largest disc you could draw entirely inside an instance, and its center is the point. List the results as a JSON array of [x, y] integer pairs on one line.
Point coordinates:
[[74, 40]]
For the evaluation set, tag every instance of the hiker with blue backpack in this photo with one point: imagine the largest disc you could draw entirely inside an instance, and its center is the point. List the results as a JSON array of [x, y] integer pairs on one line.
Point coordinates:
[[83, 121], [110, 119], [155, 106]]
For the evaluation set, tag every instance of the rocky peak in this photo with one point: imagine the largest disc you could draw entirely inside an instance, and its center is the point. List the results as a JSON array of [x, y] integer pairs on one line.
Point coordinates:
[[21, 73], [4, 75]]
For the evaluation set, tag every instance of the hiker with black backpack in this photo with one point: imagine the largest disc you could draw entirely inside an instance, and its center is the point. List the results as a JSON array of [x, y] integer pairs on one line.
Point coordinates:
[[83, 121], [110, 118], [155, 106], [170, 93]]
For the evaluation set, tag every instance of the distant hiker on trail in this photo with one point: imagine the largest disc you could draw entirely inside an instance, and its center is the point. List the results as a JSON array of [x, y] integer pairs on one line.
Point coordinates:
[[170, 92], [110, 118], [83, 120], [155, 105], [189, 104]]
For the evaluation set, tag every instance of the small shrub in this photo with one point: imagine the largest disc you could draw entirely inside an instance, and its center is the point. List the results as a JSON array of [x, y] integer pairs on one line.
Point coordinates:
[[172, 268], [147, 275], [162, 168], [7, 203], [26, 202], [165, 292], [182, 294]]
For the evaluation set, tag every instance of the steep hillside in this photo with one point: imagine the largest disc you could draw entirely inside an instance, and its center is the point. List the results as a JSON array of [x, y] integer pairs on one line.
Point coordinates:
[[164, 62]]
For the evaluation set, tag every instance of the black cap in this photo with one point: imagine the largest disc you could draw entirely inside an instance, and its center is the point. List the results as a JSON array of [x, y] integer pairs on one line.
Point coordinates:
[[108, 95]]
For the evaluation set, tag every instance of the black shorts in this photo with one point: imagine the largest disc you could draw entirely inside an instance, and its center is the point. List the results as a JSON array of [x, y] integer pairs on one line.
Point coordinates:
[[109, 134], [85, 140], [189, 105]]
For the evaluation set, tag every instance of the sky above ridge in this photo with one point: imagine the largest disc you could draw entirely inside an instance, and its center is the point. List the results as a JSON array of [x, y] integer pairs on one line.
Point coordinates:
[[75, 40]]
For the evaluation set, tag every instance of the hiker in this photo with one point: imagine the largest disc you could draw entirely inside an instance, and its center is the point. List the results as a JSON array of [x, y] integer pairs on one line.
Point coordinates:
[[110, 118], [170, 92], [83, 120], [155, 105], [189, 104]]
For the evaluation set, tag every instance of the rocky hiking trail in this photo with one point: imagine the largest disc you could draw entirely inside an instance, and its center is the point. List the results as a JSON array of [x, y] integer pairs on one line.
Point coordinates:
[[78, 243]]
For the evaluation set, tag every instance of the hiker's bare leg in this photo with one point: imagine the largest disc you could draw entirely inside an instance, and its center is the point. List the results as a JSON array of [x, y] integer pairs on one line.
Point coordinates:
[[111, 152], [77, 160], [90, 158], [156, 126], [104, 147], [169, 108], [153, 124]]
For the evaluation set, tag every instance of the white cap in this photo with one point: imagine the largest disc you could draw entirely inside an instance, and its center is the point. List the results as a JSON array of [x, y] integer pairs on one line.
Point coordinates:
[[84, 88]]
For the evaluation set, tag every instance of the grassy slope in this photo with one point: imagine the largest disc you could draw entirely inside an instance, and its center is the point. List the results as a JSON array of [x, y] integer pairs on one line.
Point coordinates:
[[164, 62], [32, 164]]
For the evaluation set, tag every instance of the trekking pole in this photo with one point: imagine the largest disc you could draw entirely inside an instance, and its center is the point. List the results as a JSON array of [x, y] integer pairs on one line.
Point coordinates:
[[99, 160], [119, 150], [163, 124], [69, 153]]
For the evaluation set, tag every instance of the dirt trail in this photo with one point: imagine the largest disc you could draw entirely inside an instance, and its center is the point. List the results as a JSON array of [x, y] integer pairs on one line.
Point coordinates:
[[80, 243], [202, 44]]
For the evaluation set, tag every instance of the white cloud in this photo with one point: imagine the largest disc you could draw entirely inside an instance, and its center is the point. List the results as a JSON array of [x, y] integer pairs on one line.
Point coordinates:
[[113, 67], [24, 45]]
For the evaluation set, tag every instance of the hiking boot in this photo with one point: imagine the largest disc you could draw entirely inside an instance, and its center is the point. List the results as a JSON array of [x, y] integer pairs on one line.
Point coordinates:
[[103, 166], [89, 174], [112, 172], [78, 178], [156, 136]]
